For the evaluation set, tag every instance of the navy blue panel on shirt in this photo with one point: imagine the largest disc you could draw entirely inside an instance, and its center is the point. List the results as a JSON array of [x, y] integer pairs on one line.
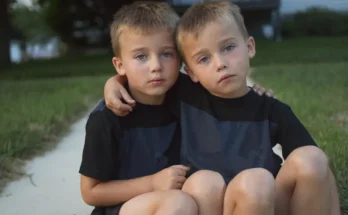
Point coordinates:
[[142, 150], [227, 147]]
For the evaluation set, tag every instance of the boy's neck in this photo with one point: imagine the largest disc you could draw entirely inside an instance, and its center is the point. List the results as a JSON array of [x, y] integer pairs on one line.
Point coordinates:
[[241, 91], [146, 99]]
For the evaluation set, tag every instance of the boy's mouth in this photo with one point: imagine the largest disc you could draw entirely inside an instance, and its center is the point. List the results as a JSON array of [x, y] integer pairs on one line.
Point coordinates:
[[156, 81], [226, 77]]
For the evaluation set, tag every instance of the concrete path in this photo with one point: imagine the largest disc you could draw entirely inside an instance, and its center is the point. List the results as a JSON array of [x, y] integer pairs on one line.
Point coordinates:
[[54, 186]]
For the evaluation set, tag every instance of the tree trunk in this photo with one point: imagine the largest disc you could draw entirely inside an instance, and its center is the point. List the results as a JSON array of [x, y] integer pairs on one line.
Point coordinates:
[[5, 34]]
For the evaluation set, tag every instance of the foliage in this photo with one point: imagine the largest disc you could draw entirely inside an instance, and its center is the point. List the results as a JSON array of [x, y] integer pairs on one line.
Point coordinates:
[[315, 21], [30, 21]]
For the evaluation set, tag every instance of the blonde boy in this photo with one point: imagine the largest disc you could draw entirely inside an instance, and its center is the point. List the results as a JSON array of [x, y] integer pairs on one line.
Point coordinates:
[[130, 164]]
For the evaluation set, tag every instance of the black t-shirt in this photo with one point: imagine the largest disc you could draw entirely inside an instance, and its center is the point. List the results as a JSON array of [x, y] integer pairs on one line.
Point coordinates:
[[139, 144], [231, 135]]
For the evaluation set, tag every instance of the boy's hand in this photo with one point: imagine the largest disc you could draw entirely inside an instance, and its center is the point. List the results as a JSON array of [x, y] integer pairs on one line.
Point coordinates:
[[114, 93], [260, 90], [170, 178]]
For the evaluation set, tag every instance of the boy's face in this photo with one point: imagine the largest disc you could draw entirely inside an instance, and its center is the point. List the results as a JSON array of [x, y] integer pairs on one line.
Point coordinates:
[[219, 58], [150, 62]]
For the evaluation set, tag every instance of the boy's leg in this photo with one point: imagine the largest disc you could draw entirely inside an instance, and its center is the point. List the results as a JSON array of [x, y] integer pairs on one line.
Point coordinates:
[[171, 202], [304, 185], [208, 190], [251, 192]]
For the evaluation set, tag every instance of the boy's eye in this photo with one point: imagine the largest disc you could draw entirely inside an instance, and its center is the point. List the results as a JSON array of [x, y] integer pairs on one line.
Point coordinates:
[[203, 59], [167, 54], [228, 48], [141, 57]]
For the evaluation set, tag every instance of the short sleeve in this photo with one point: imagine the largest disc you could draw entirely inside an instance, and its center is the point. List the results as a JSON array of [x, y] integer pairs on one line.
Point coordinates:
[[99, 158], [291, 133]]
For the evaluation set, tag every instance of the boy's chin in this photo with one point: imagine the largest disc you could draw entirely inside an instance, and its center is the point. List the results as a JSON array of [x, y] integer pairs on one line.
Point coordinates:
[[231, 91], [157, 91]]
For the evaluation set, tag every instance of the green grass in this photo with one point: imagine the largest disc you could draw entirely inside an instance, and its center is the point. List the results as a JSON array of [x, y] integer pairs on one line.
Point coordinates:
[[40, 100], [302, 50], [318, 94], [71, 66]]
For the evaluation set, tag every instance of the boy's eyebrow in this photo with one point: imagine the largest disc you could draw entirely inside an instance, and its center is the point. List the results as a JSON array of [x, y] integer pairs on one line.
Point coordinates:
[[168, 47], [199, 52], [227, 40], [144, 48], [138, 49]]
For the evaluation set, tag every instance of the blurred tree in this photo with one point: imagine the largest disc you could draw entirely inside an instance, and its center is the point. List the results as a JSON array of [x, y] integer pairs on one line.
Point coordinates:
[[34, 29], [81, 23], [5, 34], [29, 30]]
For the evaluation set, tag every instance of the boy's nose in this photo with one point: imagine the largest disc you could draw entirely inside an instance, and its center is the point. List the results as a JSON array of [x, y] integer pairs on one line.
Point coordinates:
[[220, 63], [155, 65]]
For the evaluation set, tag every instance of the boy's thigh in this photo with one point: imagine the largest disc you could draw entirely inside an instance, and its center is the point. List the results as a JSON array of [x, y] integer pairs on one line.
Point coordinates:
[[147, 203]]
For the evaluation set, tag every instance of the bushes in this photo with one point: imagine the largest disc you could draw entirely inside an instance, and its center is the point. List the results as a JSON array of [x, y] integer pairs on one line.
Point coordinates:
[[315, 21]]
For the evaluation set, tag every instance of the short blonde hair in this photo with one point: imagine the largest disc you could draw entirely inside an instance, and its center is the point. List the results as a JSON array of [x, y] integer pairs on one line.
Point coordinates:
[[142, 17], [199, 15]]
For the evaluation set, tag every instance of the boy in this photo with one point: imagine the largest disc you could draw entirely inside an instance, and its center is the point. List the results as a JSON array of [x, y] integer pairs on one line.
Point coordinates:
[[239, 128], [128, 163]]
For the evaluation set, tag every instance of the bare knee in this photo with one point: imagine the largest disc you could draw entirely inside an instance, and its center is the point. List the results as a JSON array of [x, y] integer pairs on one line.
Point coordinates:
[[177, 202], [205, 183], [309, 163], [252, 187]]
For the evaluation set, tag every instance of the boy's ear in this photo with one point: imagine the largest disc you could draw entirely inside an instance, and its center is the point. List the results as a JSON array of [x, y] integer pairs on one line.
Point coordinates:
[[251, 47], [117, 62], [189, 73]]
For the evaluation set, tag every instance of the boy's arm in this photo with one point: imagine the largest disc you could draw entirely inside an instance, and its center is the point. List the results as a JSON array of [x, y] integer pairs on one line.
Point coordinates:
[[114, 93], [291, 133], [99, 160], [99, 167], [111, 193]]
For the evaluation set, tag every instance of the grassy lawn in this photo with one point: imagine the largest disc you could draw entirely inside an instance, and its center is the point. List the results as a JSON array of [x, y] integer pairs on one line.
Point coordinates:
[[318, 94], [36, 110], [72, 66]]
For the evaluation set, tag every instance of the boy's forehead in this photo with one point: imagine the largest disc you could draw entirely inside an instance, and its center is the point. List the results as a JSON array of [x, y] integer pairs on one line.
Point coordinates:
[[141, 31], [136, 37], [213, 30]]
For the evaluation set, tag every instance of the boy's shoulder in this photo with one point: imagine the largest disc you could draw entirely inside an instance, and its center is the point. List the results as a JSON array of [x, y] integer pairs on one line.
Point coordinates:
[[269, 102], [275, 108], [102, 115]]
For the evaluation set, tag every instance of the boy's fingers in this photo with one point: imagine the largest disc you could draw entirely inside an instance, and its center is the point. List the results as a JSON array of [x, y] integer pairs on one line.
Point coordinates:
[[269, 93], [261, 91], [127, 98], [256, 87], [181, 179], [180, 172], [120, 113], [178, 185], [119, 108], [182, 167]]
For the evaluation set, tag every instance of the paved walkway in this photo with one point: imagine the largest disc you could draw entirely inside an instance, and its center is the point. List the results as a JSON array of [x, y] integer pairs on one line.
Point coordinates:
[[54, 188]]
